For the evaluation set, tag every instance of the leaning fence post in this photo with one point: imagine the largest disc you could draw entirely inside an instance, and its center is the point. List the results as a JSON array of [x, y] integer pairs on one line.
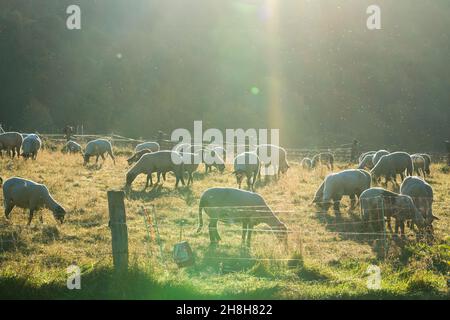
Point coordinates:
[[119, 231]]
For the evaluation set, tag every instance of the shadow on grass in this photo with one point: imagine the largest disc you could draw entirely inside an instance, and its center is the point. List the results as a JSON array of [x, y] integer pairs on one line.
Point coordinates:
[[350, 226], [103, 283]]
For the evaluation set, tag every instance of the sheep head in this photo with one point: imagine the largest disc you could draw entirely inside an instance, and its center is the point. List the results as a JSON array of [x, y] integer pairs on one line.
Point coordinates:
[[59, 213]]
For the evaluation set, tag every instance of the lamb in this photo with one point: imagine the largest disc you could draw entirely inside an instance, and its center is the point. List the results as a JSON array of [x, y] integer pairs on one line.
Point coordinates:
[[30, 195], [160, 162], [31, 146], [361, 157], [98, 148], [379, 203], [248, 164], [427, 159], [392, 164], [351, 182], [233, 205], [72, 147], [324, 158], [422, 196], [152, 146], [11, 142], [366, 162], [277, 158], [306, 163], [419, 164], [377, 156]]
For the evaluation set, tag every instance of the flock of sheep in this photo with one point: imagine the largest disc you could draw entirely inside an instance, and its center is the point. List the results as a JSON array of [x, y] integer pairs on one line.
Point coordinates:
[[412, 205]]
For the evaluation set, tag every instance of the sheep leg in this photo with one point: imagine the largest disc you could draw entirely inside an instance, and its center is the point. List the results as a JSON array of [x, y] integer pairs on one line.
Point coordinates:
[[159, 177], [336, 204], [249, 235], [255, 174], [213, 234], [164, 176], [30, 216], [96, 160], [402, 228], [103, 157], [191, 178], [112, 156], [402, 176], [352, 202], [244, 232], [8, 209]]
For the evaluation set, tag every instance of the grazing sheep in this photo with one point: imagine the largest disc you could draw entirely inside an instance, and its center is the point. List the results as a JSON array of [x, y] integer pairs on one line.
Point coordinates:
[[427, 159], [152, 146], [392, 164], [324, 158], [350, 182], [72, 147], [212, 158], [98, 148], [248, 164], [306, 163], [31, 146], [30, 195], [418, 164], [160, 162], [219, 151], [377, 203], [361, 157], [366, 162], [422, 196], [11, 142], [377, 156], [280, 164], [232, 205]]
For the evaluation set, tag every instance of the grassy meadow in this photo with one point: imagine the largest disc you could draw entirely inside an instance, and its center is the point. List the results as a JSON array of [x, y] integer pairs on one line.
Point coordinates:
[[325, 259]]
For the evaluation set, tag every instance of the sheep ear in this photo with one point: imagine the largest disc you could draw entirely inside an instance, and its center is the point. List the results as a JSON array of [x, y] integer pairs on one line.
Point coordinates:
[[433, 217]]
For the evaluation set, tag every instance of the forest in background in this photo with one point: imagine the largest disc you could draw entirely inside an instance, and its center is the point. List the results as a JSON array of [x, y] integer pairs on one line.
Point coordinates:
[[310, 68]]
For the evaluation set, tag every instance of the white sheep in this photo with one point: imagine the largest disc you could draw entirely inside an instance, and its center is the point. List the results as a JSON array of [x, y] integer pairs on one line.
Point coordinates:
[[30, 195], [72, 147], [98, 148], [212, 158], [418, 164], [306, 163], [231, 205], [377, 156], [350, 182], [378, 204], [246, 164], [392, 164], [361, 157], [31, 146], [11, 142], [422, 196], [277, 158], [427, 159], [324, 158], [150, 145], [366, 162], [159, 162]]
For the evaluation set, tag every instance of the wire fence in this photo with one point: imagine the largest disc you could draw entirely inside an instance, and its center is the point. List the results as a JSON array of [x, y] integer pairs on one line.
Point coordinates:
[[154, 233]]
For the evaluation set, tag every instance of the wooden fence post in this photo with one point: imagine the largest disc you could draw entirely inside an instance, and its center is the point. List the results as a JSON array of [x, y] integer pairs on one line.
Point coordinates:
[[119, 231]]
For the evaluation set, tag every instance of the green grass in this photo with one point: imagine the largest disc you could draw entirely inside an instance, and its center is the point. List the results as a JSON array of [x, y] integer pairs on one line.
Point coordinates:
[[321, 261]]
